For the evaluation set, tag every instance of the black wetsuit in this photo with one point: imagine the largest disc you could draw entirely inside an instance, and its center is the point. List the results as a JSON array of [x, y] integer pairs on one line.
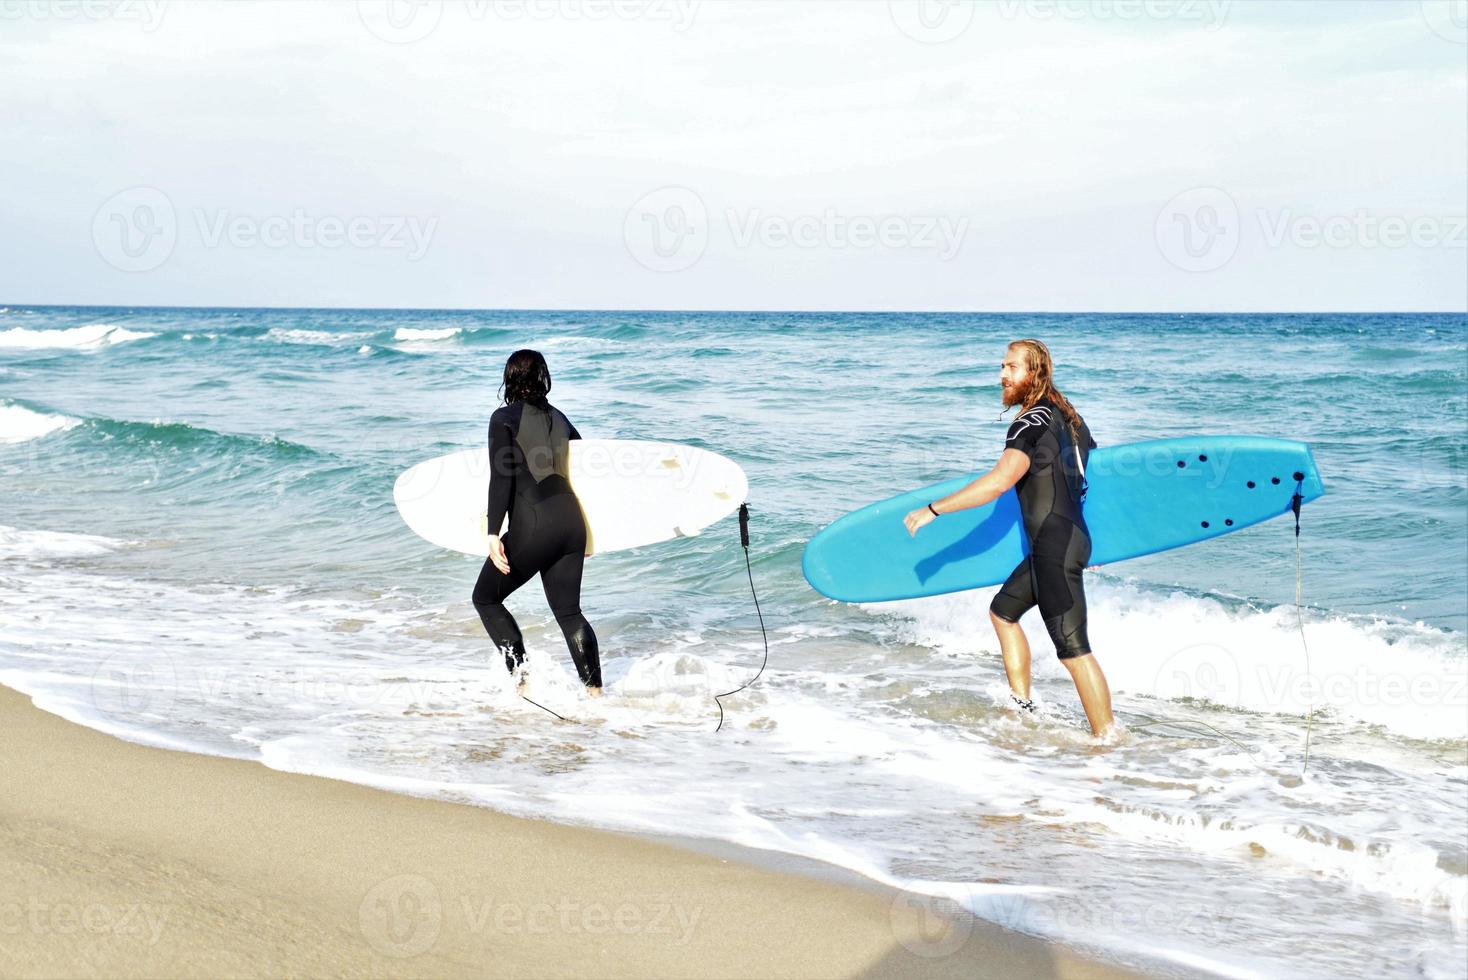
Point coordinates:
[[528, 460], [1050, 495]]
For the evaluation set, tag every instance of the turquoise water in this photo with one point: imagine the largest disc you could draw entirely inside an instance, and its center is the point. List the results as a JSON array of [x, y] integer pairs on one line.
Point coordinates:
[[201, 549]]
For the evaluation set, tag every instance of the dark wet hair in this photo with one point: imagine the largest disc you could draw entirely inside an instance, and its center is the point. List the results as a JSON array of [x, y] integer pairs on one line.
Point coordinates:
[[527, 379]]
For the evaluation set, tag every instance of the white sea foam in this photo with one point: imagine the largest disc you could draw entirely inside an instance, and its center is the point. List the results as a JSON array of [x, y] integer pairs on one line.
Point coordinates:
[[20, 543], [319, 338], [20, 424], [85, 337], [833, 765], [1409, 679], [413, 333]]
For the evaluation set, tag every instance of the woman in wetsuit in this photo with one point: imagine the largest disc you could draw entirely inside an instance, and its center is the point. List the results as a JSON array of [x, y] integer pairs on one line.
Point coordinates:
[[529, 468]]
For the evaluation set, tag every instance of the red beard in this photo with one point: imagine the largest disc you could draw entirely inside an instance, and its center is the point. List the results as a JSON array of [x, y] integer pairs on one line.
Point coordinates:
[[1018, 393]]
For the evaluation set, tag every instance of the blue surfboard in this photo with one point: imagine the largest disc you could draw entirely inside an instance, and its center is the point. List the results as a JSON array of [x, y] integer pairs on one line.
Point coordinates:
[[1143, 497]]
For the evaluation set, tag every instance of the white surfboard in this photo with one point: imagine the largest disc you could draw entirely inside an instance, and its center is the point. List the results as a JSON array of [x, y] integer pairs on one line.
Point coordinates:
[[633, 493]]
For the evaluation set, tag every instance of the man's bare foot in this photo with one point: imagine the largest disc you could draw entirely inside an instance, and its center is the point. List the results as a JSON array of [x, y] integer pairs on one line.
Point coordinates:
[[593, 692], [522, 679]]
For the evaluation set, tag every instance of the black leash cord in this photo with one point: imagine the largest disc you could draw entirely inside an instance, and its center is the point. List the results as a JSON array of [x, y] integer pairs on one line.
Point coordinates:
[[1295, 503], [543, 707], [744, 543]]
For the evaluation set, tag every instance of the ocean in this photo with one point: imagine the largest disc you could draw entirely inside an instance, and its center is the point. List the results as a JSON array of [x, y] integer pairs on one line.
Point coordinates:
[[199, 549]]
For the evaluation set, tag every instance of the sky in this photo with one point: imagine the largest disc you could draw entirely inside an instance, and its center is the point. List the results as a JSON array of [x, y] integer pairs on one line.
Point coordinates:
[[1052, 155]]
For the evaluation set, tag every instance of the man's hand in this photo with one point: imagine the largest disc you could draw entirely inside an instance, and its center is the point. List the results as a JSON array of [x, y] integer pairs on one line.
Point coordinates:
[[497, 554], [917, 519]]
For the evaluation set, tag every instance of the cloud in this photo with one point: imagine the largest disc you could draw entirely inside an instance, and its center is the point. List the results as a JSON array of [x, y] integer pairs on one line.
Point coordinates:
[[1054, 131]]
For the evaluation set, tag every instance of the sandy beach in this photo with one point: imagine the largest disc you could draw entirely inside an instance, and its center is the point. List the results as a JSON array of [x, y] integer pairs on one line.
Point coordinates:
[[125, 860]]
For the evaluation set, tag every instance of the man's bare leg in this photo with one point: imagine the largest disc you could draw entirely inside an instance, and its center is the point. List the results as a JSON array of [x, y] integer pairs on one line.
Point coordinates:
[[1016, 650], [1091, 686]]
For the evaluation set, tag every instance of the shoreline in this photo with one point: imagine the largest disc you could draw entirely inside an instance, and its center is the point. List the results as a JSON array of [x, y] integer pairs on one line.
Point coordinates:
[[127, 860]]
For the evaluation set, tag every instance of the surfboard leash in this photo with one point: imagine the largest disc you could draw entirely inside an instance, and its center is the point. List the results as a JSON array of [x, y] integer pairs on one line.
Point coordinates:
[[1295, 502], [749, 571], [544, 708]]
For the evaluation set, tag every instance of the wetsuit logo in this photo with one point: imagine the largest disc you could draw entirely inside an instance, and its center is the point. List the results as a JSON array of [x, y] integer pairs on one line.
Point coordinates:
[[1034, 417]]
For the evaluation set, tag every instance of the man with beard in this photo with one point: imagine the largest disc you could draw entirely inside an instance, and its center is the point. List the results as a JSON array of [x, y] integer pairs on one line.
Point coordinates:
[[1045, 453]]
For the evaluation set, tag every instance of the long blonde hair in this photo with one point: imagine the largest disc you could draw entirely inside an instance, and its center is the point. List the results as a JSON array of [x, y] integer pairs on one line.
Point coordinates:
[[1041, 368]]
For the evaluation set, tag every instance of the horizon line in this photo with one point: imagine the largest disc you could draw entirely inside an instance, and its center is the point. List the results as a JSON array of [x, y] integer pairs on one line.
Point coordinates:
[[613, 309]]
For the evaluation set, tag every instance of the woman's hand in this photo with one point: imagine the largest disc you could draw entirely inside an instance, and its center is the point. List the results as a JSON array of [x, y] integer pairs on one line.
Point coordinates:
[[917, 519], [497, 554]]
